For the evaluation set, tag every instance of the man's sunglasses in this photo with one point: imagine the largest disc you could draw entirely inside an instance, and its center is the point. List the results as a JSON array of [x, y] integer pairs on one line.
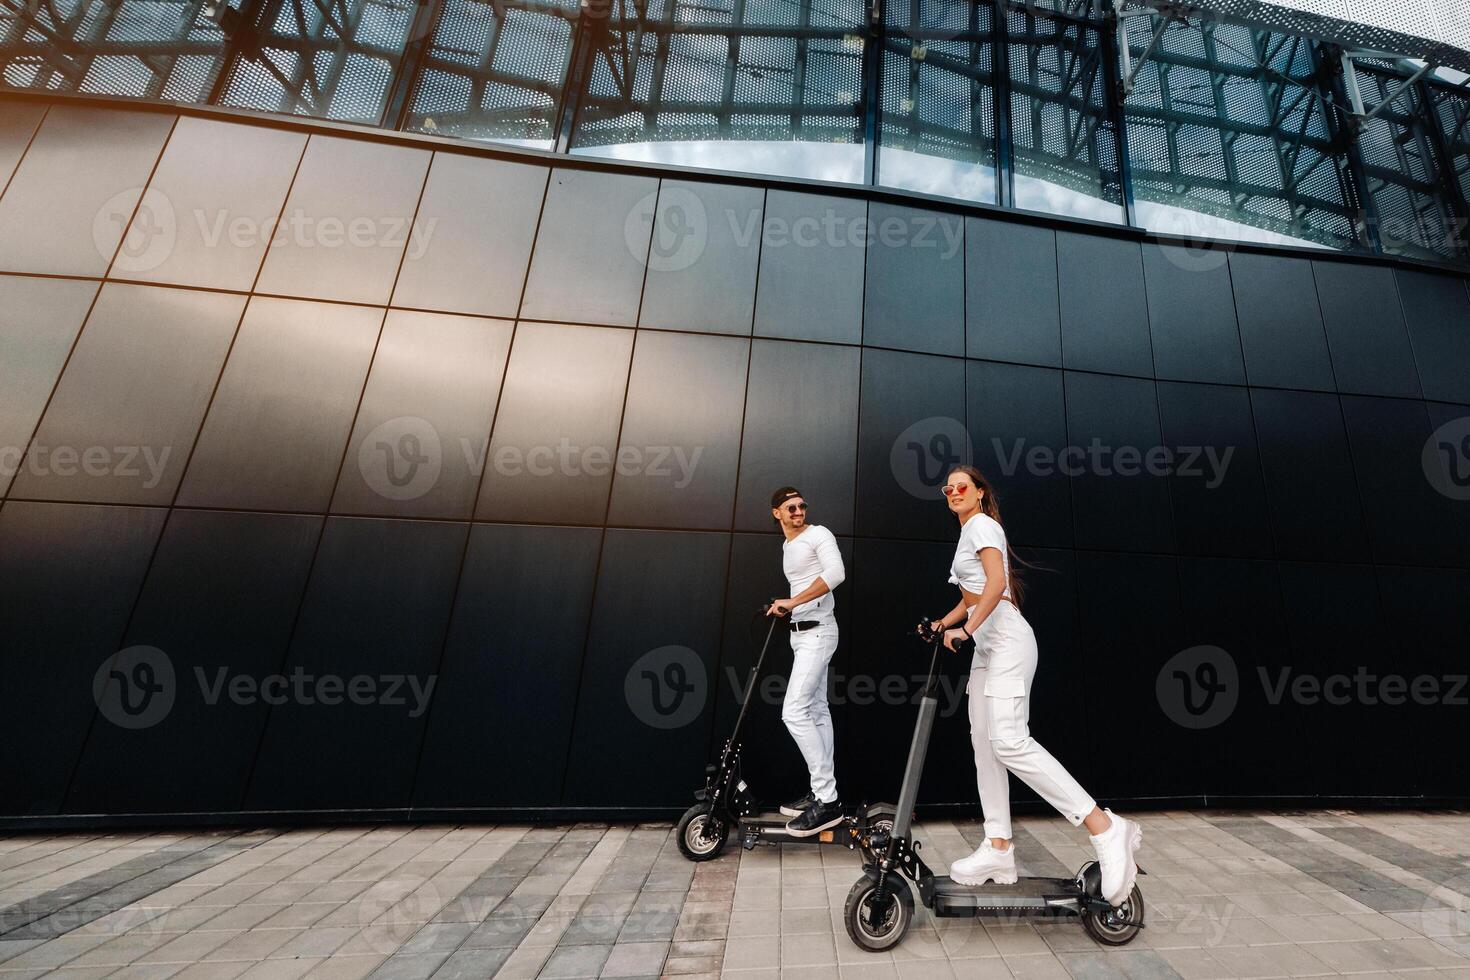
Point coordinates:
[[955, 489], [795, 508]]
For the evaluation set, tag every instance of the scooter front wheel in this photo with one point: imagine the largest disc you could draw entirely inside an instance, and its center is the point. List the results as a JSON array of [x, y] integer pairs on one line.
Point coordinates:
[[701, 834], [877, 928], [1118, 926]]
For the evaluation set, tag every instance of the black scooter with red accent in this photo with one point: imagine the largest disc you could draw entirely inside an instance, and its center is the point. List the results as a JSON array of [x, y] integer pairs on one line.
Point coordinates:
[[880, 906], [726, 804]]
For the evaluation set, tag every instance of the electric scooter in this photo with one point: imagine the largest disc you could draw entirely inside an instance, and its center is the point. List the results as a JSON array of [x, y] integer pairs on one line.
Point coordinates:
[[725, 802], [880, 906]]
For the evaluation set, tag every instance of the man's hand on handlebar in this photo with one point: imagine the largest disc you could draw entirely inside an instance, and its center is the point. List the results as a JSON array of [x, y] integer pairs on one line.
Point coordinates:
[[779, 607]]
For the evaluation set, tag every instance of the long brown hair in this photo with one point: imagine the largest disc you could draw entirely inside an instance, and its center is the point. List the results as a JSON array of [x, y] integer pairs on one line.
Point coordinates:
[[990, 507]]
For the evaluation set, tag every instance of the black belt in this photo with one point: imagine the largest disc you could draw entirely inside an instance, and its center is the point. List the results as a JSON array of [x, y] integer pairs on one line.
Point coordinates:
[[805, 624]]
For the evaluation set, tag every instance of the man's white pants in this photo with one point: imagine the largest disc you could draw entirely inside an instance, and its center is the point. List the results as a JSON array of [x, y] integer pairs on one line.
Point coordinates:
[[805, 711], [1000, 695]]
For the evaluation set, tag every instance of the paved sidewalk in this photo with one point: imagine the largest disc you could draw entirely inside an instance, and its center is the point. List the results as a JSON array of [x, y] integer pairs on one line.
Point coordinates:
[[1230, 894]]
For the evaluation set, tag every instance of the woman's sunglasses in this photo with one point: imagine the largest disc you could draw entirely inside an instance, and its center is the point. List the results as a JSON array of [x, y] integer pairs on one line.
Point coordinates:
[[955, 489]]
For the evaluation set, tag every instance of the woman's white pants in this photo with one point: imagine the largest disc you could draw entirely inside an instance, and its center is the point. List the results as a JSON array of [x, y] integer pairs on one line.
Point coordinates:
[[805, 711], [1000, 694]]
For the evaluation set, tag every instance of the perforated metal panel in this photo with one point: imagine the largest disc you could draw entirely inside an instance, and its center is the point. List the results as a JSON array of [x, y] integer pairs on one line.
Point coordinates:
[[938, 87], [157, 49], [1451, 109], [728, 70], [333, 59], [1229, 122], [490, 77], [1059, 117]]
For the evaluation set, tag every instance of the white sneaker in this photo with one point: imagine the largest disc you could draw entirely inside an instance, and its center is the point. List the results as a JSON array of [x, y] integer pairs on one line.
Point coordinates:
[[986, 864], [1115, 847]]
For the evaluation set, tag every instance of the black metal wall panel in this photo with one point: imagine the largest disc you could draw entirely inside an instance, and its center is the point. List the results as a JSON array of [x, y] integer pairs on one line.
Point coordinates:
[[274, 436], [1018, 421], [418, 447], [1312, 489], [1450, 447], [811, 271], [644, 699], [1365, 330], [62, 621], [680, 444], [368, 641], [556, 430], [1104, 308], [800, 430], [1191, 312], [1280, 323], [218, 605], [39, 321], [1437, 312], [1130, 621], [212, 205], [450, 263], [1117, 464], [591, 248], [1218, 494], [702, 258], [915, 284], [123, 418], [346, 222], [82, 199], [1011, 302], [1407, 516], [910, 431], [501, 721]]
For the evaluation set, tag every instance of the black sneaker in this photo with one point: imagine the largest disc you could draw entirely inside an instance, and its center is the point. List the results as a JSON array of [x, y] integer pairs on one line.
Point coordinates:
[[800, 806], [816, 819]]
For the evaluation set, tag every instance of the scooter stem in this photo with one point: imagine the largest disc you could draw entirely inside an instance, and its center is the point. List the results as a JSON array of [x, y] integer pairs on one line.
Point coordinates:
[[750, 684], [914, 771]]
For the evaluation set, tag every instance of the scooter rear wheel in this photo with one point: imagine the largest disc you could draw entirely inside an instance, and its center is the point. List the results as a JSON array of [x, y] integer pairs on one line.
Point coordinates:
[[1119, 926], [891, 923], [701, 834]]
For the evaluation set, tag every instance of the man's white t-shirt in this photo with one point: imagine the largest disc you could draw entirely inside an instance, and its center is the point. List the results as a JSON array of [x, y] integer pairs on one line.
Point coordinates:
[[980, 531], [810, 554]]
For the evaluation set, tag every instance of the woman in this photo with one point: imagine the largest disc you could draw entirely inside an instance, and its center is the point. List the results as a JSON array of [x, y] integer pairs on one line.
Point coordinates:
[[1000, 689]]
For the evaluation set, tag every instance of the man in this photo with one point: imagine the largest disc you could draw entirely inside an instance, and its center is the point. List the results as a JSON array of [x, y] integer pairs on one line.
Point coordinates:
[[813, 568]]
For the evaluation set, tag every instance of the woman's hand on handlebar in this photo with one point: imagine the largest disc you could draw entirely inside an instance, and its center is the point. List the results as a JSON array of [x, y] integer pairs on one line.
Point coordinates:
[[954, 637]]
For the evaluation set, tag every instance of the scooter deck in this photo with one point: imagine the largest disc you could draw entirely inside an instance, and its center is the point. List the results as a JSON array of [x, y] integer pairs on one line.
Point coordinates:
[[1028, 896], [770, 826]]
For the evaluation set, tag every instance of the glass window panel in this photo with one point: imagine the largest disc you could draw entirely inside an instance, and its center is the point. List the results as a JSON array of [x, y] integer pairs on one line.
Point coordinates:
[[155, 49], [1403, 167], [728, 87], [937, 129], [333, 59], [1066, 151], [1228, 138], [495, 71]]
